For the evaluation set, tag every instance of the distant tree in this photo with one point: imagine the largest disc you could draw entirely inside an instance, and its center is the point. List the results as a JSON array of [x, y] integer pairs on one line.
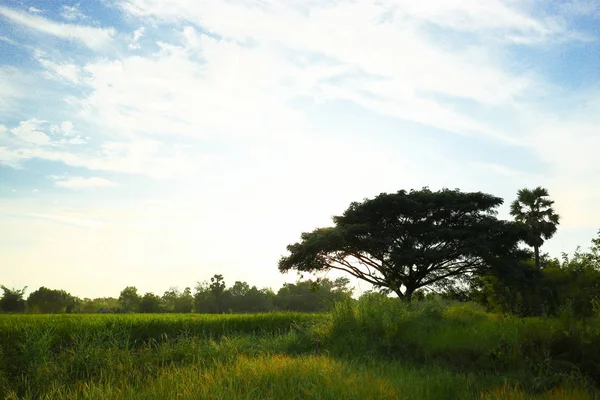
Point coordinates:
[[217, 288], [239, 289], [12, 300], [50, 301], [106, 304], [129, 299], [312, 295], [237, 296], [204, 301], [300, 296], [150, 303], [184, 302], [534, 209], [341, 287], [404, 241], [169, 298], [257, 300], [88, 306]]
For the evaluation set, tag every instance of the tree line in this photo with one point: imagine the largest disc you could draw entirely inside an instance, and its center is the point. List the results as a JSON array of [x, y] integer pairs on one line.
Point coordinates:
[[213, 297], [414, 244]]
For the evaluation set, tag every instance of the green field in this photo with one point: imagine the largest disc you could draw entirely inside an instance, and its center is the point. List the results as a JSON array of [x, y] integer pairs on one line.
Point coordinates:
[[375, 348]]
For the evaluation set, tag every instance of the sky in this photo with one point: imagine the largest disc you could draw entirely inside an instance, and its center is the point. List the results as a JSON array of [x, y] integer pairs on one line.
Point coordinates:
[[156, 143]]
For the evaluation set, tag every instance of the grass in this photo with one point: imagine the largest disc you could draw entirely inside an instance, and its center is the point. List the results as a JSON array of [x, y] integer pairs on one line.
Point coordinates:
[[375, 348]]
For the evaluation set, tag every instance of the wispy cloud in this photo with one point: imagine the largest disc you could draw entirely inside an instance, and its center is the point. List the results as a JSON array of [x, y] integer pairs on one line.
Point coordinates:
[[582, 7], [13, 87], [29, 140], [83, 183], [67, 72], [137, 35], [72, 13], [29, 132], [400, 73], [92, 37]]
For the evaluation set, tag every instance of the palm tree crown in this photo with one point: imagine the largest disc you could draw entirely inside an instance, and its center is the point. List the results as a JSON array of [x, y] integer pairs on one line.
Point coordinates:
[[534, 209]]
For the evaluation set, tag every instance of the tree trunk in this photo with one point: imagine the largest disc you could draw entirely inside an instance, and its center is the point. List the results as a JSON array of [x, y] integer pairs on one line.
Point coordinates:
[[406, 296], [542, 304]]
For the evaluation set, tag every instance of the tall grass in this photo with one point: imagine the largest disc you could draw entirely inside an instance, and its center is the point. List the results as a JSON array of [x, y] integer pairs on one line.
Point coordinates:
[[374, 348], [463, 336]]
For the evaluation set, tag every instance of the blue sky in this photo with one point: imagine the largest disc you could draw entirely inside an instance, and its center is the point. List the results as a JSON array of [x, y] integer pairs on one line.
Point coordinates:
[[155, 143]]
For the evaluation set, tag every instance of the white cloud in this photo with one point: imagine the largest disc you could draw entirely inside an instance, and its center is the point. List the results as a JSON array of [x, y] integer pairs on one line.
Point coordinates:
[[61, 71], [137, 35], [64, 129], [380, 55], [141, 157], [95, 38], [29, 132], [9, 41], [13, 88], [501, 169], [65, 134], [235, 94], [34, 10], [72, 13], [77, 183], [350, 51]]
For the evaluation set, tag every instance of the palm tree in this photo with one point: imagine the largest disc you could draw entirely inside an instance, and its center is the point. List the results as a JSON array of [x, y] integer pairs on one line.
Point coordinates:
[[534, 209]]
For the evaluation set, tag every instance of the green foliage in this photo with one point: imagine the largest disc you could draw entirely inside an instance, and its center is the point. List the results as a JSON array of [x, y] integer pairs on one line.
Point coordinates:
[[409, 240], [204, 300], [129, 299], [313, 295], [184, 303], [178, 302], [51, 301], [573, 282], [150, 303], [514, 290], [12, 299]]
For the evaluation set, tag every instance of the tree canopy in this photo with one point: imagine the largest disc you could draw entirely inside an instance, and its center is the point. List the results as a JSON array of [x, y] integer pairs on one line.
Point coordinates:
[[408, 240], [53, 301], [12, 299]]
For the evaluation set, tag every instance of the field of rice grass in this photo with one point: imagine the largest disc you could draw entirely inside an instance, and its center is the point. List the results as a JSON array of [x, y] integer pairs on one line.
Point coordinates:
[[377, 348]]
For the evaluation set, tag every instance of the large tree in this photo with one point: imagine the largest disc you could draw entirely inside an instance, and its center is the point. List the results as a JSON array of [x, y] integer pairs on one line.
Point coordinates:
[[50, 301], [534, 209], [12, 299], [129, 299], [150, 303], [408, 240]]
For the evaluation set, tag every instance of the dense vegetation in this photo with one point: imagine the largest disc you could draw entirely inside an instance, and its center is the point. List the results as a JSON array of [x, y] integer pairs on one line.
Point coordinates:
[[376, 347]]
